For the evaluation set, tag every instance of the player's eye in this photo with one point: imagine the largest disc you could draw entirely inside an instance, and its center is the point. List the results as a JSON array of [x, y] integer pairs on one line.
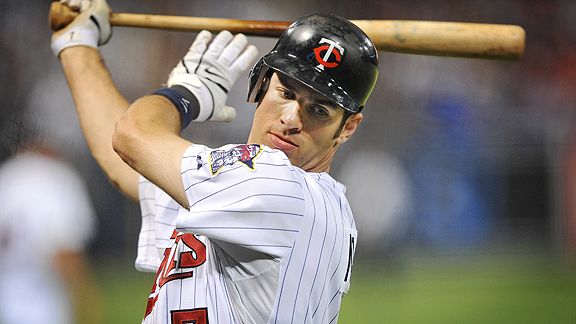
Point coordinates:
[[287, 94], [319, 111]]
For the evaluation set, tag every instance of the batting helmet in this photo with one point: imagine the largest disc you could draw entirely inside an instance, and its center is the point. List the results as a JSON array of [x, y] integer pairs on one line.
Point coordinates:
[[327, 53]]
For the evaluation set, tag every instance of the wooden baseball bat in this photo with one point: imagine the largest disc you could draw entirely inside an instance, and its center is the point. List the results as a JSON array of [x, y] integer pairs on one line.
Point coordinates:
[[437, 38]]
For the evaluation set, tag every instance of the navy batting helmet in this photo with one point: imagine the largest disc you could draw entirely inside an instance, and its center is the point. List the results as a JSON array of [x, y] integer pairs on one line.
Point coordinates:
[[327, 53]]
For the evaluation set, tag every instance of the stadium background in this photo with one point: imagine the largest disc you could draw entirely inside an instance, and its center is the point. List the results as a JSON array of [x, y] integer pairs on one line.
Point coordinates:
[[462, 177]]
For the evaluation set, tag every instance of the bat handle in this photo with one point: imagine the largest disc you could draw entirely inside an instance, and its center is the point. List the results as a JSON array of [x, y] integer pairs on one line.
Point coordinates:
[[60, 16]]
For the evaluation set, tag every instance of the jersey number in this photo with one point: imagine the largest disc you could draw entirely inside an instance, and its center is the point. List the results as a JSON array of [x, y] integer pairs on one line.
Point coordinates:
[[190, 316]]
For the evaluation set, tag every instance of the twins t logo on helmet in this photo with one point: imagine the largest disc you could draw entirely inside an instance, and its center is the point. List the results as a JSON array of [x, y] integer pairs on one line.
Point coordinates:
[[328, 55]]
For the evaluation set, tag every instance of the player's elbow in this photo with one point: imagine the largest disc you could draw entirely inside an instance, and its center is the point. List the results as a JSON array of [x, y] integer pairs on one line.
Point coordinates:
[[125, 138]]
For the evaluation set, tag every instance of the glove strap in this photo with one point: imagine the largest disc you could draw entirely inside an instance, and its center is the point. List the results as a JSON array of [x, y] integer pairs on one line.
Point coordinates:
[[186, 103], [77, 36]]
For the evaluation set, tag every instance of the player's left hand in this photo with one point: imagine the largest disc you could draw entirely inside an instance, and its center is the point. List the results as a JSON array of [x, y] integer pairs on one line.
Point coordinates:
[[209, 70], [90, 28]]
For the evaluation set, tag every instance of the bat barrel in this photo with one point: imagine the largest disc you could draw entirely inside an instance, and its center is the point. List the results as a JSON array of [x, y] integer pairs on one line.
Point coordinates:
[[454, 39]]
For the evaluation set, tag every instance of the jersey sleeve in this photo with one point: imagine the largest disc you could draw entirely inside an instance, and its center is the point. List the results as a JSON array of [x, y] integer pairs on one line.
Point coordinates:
[[246, 195], [159, 212]]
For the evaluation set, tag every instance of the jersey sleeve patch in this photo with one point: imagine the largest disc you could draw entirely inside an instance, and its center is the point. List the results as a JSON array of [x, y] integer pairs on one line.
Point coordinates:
[[245, 154]]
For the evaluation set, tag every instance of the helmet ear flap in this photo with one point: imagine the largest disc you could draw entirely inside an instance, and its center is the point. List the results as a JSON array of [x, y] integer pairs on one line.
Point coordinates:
[[258, 81], [263, 85]]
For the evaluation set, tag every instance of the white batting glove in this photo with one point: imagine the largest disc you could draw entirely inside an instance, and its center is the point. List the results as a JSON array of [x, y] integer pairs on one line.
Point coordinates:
[[91, 27], [209, 70]]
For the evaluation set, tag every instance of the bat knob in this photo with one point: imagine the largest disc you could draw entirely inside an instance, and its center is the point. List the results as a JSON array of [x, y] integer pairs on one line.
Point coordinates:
[[60, 16]]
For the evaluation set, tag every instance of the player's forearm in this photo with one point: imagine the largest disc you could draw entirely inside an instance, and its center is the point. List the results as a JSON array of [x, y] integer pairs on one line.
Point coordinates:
[[99, 105]]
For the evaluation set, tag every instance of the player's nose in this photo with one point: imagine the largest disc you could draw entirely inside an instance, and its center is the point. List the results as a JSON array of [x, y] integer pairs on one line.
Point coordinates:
[[291, 117]]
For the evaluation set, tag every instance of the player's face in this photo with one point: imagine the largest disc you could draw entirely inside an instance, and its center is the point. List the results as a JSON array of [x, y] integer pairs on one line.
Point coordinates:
[[302, 123]]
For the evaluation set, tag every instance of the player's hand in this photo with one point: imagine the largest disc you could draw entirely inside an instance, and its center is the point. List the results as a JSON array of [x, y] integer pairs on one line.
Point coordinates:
[[209, 70], [91, 27]]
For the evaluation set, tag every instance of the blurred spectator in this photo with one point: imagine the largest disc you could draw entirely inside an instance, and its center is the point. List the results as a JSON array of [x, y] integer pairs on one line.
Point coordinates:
[[452, 211], [46, 220], [379, 191]]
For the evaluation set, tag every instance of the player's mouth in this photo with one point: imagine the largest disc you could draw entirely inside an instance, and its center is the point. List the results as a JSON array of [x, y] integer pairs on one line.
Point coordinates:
[[281, 143]]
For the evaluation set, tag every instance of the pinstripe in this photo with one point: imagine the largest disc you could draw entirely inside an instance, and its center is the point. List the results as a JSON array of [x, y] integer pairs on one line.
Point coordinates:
[[280, 295], [180, 294], [163, 223], [224, 284], [334, 318], [332, 299], [195, 288], [307, 250], [239, 183], [341, 243], [243, 212], [269, 245], [329, 260], [339, 263], [197, 183], [264, 195], [167, 207], [215, 278], [233, 168], [240, 228], [272, 164], [209, 178], [321, 254], [168, 319]]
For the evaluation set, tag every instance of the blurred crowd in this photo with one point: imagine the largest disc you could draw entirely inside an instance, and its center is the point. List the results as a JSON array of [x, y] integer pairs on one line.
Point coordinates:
[[455, 155]]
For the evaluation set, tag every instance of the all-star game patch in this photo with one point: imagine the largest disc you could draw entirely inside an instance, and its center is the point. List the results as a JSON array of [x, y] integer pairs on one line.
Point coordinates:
[[245, 154]]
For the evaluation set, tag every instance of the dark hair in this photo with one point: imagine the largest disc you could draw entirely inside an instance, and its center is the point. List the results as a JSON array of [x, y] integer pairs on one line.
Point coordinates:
[[345, 117]]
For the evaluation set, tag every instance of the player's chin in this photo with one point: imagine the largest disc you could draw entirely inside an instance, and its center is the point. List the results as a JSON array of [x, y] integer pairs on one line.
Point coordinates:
[[304, 162], [293, 157]]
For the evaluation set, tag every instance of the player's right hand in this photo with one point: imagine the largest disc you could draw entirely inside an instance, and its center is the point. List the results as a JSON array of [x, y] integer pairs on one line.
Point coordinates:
[[90, 28], [209, 70]]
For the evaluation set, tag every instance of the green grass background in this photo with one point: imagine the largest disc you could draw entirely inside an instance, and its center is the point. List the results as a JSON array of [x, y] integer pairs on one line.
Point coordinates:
[[527, 291]]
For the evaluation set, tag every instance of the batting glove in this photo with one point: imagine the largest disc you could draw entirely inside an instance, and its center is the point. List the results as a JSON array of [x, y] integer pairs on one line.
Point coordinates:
[[91, 27], [210, 68]]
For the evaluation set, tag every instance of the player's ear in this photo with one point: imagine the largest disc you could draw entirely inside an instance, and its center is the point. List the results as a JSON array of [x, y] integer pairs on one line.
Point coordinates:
[[349, 128]]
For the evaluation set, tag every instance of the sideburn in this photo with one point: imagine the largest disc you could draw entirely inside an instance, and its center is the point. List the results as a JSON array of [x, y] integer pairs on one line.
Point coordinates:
[[345, 117]]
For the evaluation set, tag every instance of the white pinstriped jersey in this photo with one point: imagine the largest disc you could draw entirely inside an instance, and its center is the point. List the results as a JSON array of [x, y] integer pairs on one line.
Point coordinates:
[[263, 241]]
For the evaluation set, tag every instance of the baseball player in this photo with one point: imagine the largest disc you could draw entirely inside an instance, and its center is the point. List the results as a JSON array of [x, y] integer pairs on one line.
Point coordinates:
[[46, 221], [245, 233]]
